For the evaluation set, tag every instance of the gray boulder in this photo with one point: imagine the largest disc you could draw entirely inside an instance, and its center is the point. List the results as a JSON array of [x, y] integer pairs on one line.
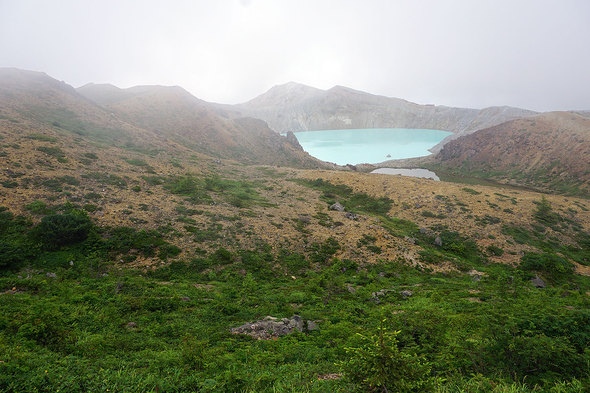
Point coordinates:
[[538, 282], [311, 325], [270, 328], [406, 294], [438, 241], [337, 206]]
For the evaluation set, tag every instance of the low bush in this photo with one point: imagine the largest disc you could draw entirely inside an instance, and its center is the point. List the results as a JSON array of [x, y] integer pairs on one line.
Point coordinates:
[[57, 230], [546, 262]]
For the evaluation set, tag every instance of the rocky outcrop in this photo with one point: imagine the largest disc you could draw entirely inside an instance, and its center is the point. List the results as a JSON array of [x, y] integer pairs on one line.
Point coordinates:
[[270, 328]]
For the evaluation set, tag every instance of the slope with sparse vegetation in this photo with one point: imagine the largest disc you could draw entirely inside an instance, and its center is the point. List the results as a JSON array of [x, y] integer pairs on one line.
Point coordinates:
[[125, 267]]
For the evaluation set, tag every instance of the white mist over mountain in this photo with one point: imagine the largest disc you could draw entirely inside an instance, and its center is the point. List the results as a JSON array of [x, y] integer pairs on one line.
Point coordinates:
[[528, 54]]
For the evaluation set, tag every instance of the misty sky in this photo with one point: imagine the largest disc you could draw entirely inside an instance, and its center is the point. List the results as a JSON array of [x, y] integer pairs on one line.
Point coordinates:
[[474, 53]]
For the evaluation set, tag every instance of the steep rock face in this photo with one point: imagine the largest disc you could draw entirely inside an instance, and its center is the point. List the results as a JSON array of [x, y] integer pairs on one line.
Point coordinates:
[[549, 151], [295, 107]]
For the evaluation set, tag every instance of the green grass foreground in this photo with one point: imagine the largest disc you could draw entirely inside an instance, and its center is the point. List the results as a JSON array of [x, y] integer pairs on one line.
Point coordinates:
[[72, 322]]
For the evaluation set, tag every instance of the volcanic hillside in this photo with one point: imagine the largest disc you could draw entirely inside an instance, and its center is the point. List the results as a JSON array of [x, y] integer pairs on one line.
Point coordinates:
[[296, 107], [142, 163], [549, 152]]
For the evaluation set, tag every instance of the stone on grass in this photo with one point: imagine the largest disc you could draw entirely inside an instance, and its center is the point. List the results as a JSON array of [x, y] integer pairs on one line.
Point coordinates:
[[337, 206]]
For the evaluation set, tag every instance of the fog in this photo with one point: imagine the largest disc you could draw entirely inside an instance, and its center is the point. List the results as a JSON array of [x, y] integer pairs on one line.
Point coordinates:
[[530, 54]]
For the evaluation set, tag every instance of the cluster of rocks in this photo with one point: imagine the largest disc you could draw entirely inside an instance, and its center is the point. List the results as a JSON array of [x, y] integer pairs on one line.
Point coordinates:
[[376, 296], [339, 208], [270, 328]]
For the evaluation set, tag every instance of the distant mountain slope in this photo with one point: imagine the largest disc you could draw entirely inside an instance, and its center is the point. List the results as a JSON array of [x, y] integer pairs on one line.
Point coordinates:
[[549, 151], [297, 107], [33, 99], [148, 118], [174, 113]]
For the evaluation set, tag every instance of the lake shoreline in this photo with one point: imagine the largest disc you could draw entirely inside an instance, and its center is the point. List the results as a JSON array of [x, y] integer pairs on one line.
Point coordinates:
[[369, 146]]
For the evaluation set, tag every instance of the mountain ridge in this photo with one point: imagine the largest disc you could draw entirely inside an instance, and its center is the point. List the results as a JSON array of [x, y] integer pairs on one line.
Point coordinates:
[[547, 152], [297, 107]]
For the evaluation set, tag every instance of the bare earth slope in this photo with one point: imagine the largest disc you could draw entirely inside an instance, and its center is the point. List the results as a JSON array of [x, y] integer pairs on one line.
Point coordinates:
[[549, 152], [296, 107]]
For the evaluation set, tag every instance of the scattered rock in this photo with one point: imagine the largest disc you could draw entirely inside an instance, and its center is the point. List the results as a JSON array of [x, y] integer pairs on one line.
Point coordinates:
[[351, 216], [538, 282], [270, 328], [438, 241], [351, 289], [406, 294], [410, 240], [304, 219], [337, 206], [185, 299], [131, 325], [51, 275], [425, 231], [375, 296], [476, 275], [311, 325]]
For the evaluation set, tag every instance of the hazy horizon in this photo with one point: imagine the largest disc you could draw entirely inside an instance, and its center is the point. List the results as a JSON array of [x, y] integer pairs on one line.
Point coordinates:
[[527, 54]]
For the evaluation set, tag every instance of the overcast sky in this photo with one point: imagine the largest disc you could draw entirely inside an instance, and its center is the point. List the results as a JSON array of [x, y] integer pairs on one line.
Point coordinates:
[[473, 53]]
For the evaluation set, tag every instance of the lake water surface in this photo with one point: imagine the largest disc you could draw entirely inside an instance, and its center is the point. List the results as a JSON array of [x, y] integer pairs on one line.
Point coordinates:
[[371, 146]]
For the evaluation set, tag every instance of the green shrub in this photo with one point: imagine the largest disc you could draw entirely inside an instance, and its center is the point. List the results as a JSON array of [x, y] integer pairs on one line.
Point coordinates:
[[122, 240], [52, 151], [59, 230], [545, 215], [41, 137], [39, 207], [378, 365], [494, 250], [355, 202], [546, 262], [323, 252], [222, 256], [471, 191], [12, 255], [9, 184], [294, 262]]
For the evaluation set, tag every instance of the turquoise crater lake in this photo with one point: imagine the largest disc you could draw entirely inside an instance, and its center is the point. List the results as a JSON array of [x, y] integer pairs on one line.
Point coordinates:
[[371, 145]]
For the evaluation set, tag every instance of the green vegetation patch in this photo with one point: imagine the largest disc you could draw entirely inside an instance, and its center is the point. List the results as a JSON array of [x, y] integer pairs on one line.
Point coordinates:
[[471, 191], [88, 326], [42, 137], [241, 194], [52, 151], [354, 202]]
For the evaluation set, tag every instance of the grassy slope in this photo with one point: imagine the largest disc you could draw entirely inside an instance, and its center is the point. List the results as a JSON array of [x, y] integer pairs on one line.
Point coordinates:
[[187, 246]]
